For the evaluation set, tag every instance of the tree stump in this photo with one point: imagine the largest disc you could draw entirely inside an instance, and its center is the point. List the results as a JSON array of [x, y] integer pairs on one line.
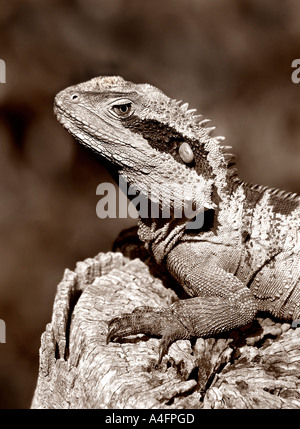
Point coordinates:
[[257, 366]]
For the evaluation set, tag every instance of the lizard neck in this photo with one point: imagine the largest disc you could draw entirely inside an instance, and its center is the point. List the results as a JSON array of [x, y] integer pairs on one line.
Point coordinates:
[[206, 182], [208, 185]]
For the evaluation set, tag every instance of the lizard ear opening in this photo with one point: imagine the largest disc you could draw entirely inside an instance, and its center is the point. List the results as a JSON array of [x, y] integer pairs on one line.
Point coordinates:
[[186, 153]]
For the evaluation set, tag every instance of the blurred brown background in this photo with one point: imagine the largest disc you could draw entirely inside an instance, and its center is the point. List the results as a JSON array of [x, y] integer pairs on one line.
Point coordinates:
[[231, 60]]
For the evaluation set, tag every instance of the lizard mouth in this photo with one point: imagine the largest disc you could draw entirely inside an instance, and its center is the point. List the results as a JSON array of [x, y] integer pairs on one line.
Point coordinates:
[[89, 138], [71, 123], [65, 119], [82, 132], [79, 130], [60, 114]]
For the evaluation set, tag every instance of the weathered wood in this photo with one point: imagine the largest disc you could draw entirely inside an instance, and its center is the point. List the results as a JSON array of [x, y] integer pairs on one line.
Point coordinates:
[[254, 367]]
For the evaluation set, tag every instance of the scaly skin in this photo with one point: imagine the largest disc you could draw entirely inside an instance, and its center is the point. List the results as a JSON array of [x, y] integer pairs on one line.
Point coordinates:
[[245, 258]]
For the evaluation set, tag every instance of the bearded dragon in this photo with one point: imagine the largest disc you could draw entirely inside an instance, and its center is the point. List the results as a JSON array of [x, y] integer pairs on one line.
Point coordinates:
[[244, 258]]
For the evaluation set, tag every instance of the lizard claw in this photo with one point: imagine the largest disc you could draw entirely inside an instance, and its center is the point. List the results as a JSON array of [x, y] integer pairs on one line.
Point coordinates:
[[130, 323], [149, 321], [113, 328], [119, 327]]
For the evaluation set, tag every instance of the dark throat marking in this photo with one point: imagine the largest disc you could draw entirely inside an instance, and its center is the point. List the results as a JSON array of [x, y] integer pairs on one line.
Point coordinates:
[[166, 139]]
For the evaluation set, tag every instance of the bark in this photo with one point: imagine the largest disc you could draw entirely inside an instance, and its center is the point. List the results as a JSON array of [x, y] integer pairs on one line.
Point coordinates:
[[254, 367]]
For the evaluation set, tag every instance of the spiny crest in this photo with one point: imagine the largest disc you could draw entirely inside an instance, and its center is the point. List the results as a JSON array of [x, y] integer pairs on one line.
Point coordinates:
[[282, 194], [275, 194]]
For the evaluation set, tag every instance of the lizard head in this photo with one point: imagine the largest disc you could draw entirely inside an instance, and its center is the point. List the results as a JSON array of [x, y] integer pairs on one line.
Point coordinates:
[[153, 141]]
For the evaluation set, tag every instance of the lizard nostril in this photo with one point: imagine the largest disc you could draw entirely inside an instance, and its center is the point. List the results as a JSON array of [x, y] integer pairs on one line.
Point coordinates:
[[75, 97]]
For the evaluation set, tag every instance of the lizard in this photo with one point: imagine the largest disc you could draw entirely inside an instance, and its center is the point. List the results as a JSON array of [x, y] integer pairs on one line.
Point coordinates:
[[245, 256]]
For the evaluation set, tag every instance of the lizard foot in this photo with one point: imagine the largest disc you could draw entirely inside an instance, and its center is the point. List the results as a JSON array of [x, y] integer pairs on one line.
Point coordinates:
[[150, 321]]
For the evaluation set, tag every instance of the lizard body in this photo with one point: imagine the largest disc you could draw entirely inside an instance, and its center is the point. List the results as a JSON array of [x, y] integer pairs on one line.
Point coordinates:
[[245, 257]]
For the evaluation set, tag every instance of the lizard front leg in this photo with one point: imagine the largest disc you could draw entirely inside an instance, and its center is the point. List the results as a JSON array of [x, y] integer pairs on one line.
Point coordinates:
[[220, 302]]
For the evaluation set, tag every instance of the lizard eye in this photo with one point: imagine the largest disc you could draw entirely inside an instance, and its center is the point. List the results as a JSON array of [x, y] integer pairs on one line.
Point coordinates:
[[122, 110]]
